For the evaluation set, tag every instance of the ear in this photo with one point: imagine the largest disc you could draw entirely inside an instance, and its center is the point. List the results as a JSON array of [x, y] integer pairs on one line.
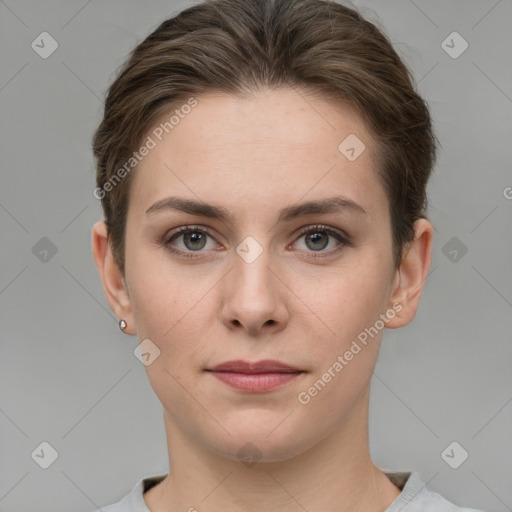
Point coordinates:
[[111, 276], [410, 277]]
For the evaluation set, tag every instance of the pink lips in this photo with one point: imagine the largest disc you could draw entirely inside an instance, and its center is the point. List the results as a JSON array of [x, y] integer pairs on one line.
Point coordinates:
[[255, 377]]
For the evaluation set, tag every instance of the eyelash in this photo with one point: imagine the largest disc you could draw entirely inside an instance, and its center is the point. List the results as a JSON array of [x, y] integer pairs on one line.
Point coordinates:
[[167, 239]]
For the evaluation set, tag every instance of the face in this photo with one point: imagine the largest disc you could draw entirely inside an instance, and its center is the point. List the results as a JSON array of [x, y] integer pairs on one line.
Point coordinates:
[[298, 286]]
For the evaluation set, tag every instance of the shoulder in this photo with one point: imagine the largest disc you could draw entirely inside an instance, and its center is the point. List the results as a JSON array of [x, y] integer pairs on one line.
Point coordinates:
[[134, 500], [415, 497]]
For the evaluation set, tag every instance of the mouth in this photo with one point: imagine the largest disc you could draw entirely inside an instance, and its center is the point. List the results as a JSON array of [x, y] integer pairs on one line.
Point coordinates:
[[255, 377]]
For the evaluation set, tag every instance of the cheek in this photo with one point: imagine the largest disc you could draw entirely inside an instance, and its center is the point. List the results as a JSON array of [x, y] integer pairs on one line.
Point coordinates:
[[161, 297], [351, 307], [346, 301], [176, 313]]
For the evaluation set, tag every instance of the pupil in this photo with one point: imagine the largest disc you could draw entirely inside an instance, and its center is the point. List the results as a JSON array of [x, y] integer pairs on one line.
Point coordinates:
[[196, 237], [315, 237]]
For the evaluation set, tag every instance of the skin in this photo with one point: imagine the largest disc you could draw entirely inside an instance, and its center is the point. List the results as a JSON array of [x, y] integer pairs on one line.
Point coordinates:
[[254, 156]]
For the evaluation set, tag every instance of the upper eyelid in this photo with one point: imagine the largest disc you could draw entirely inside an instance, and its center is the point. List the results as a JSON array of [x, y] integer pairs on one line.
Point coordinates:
[[323, 227]]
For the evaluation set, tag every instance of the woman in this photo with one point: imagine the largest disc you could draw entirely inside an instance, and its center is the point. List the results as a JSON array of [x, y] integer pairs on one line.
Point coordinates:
[[262, 167]]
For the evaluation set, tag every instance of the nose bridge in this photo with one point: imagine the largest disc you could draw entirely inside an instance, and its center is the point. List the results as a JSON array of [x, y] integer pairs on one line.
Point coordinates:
[[253, 298], [252, 262]]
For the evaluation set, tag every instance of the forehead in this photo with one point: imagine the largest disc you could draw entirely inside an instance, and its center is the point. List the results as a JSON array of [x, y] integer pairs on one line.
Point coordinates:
[[275, 147]]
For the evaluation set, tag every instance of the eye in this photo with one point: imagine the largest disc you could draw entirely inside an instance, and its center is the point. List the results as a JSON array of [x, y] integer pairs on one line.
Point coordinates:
[[318, 237], [194, 240]]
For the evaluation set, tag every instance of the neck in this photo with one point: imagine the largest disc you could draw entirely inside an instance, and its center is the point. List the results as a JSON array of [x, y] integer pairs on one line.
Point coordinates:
[[335, 474]]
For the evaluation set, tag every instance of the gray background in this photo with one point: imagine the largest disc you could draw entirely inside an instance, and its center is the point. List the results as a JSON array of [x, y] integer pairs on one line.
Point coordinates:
[[69, 376]]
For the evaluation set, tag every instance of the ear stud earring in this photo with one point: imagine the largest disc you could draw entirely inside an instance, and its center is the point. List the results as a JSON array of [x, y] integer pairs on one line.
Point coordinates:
[[122, 325]]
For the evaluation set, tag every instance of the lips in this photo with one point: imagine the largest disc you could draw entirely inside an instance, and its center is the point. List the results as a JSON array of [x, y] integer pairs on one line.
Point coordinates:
[[266, 366], [255, 377]]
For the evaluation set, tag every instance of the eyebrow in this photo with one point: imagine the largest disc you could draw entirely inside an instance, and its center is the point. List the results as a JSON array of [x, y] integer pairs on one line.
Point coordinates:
[[334, 204]]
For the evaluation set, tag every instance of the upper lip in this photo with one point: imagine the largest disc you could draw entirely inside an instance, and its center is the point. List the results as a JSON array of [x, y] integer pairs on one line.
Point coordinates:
[[265, 366]]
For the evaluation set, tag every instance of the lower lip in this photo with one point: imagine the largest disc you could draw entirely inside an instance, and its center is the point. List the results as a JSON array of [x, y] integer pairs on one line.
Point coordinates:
[[255, 382]]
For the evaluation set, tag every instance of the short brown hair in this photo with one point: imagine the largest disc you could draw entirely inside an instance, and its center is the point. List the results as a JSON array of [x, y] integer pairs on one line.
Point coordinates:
[[241, 46]]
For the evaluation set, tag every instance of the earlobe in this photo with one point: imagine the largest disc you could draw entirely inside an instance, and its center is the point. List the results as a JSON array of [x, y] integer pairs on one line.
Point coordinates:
[[410, 277], [111, 277]]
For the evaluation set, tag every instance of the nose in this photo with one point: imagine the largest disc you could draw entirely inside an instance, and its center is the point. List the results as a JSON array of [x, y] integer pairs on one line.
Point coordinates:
[[254, 298]]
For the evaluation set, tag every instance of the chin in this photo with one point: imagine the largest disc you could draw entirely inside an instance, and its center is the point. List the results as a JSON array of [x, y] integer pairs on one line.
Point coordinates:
[[253, 441]]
